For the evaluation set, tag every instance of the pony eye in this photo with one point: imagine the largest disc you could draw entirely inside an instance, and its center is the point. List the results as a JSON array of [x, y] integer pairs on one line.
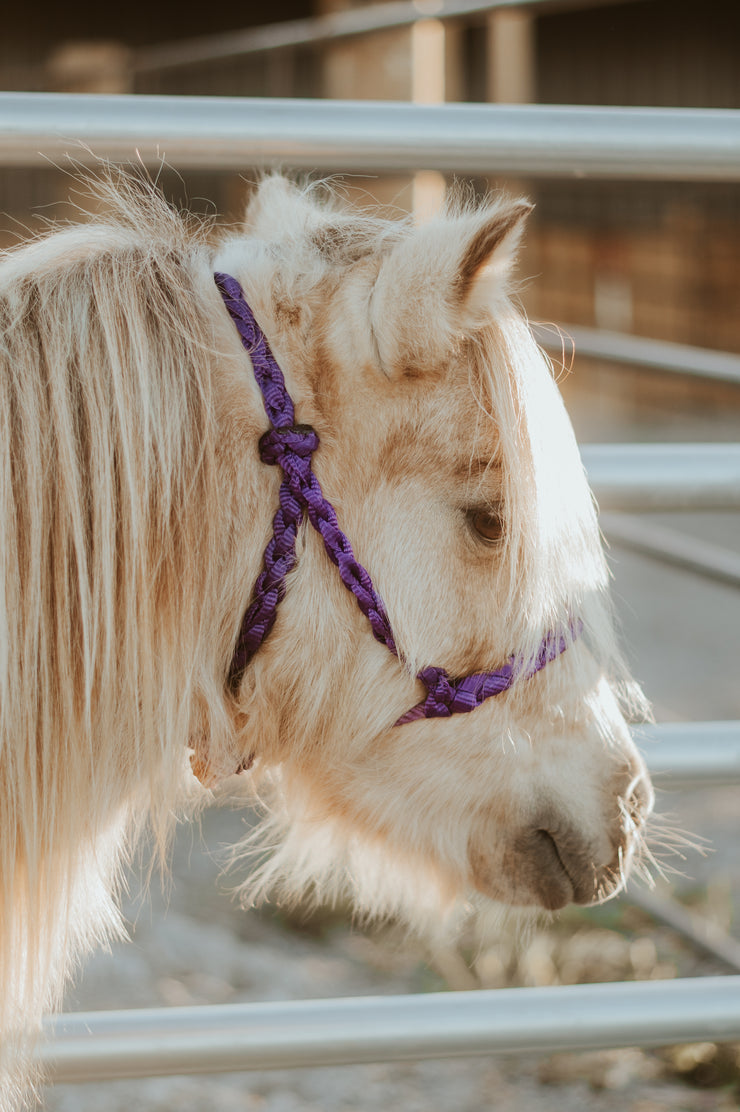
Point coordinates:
[[487, 524]]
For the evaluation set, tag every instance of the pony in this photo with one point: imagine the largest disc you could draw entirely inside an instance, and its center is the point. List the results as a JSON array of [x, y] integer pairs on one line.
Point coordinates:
[[135, 513]]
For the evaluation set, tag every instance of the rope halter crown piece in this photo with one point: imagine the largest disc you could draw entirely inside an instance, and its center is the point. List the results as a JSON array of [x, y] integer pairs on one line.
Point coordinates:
[[290, 447]]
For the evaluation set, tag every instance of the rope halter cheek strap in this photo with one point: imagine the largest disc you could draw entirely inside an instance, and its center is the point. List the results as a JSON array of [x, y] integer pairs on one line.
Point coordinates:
[[290, 447]]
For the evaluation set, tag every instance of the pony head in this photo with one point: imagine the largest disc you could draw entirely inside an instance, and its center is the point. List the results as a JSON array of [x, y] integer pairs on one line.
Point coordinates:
[[452, 466]]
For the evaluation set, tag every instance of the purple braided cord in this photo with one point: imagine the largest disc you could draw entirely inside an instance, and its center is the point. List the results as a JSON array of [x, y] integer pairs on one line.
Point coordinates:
[[290, 447], [446, 696]]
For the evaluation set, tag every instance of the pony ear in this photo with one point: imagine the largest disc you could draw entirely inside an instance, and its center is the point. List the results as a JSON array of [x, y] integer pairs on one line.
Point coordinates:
[[489, 258], [278, 209], [445, 279]]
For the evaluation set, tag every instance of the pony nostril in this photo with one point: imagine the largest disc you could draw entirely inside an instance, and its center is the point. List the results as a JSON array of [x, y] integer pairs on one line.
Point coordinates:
[[639, 799]]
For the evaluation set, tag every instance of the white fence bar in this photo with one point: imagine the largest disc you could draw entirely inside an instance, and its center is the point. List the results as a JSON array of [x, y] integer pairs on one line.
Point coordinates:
[[671, 546], [691, 754], [331, 27], [704, 934], [664, 476], [638, 351], [372, 136], [105, 1045]]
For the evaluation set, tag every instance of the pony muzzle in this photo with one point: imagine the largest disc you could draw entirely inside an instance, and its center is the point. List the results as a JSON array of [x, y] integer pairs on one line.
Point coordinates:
[[552, 860]]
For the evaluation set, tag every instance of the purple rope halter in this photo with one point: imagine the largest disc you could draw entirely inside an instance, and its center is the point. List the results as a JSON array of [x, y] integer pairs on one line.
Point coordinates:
[[290, 447]]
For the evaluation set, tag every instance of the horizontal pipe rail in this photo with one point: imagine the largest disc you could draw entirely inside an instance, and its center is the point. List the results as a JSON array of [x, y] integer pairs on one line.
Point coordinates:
[[371, 136], [664, 476], [672, 546], [704, 934], [691, 754], [335, 26], [567, 341], [635, 477], [215, 1039]]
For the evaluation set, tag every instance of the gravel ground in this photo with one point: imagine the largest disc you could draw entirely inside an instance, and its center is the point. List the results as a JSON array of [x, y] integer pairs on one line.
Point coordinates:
[[193, 946]]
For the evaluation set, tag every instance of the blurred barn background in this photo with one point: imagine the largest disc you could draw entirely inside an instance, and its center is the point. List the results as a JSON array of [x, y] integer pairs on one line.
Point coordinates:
[[656, 259]]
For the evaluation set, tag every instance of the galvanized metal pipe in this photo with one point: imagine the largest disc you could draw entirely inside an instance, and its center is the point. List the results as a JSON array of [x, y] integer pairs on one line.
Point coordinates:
[[704, 934], [664, 476], [691, 754], [333, 26], [372, 137], [569, 340], [105, 1045], [671, 546]]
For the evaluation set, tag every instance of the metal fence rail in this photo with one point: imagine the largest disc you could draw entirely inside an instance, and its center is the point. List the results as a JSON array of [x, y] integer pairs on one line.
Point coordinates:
[[372, 137], [106, 1045], [664, 476], [691, 754], [332, 27], [672, 546], [639, 351]]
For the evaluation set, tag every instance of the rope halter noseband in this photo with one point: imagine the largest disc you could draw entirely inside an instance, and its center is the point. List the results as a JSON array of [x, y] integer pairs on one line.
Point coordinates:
[[291, 447]]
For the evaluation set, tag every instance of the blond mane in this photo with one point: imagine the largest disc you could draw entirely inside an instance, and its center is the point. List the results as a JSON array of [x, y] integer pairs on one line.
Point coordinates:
[[107, 456]]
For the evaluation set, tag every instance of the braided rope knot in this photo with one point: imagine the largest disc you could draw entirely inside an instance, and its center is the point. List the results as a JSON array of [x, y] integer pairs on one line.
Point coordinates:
[[440, 692], [301, 440], [446, 696]]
